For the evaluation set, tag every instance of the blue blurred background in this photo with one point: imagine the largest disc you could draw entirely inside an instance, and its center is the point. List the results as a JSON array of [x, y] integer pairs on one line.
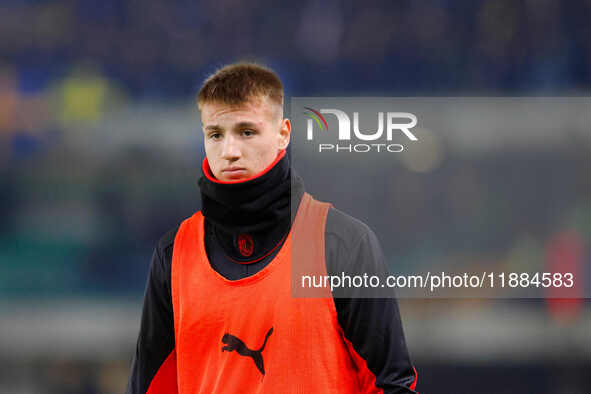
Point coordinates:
[[100, 150]]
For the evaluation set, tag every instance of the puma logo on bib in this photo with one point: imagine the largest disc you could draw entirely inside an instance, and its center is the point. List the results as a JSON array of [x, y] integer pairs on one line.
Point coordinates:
[[234, 343]]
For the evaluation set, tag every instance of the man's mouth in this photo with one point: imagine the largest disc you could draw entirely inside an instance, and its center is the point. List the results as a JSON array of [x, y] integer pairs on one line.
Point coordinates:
[[234, 172]]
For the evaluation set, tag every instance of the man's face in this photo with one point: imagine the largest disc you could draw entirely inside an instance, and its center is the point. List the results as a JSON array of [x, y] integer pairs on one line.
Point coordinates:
[[241, 141]]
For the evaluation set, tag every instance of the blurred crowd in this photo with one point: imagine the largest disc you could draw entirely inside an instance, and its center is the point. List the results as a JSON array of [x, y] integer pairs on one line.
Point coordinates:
[[158, 48], [81, 218], [68, 61]]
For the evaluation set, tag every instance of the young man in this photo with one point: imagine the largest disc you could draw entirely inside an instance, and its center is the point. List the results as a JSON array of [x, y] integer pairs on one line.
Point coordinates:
[[218, 314]]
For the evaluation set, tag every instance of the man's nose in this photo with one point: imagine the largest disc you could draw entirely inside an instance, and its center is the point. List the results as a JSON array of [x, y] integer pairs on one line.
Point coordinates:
[[231, 148]]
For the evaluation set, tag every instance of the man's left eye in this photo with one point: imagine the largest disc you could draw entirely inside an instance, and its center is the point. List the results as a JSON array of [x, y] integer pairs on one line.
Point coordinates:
[[247, 133]]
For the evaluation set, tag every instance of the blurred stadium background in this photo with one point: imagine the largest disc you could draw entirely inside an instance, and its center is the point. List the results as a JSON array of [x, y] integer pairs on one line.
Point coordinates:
[[100, 149]]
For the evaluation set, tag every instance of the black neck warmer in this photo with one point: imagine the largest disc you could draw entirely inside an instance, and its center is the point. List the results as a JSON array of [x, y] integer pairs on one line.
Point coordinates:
[[256, 210]]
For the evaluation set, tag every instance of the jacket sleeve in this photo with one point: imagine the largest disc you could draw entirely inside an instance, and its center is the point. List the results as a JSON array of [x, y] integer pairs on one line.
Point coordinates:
[[371, 326], [153, 368]]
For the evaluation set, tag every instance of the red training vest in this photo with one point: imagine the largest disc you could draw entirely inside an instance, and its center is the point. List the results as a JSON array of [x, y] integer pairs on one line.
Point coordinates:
[[251, 335]]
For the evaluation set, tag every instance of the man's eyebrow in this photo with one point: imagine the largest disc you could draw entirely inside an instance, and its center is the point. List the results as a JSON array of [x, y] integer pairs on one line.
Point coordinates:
[[214, 127], [245, 125]]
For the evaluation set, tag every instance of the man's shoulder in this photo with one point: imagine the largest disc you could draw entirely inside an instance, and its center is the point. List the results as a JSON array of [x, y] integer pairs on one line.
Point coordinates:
[[166, 241], [345, 227], [351, 246]]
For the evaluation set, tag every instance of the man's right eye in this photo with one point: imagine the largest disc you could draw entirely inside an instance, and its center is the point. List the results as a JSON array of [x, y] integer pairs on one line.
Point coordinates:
[[215, 136]]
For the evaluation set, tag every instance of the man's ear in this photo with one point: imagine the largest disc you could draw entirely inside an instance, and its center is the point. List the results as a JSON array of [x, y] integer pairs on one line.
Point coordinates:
[[284, 133]]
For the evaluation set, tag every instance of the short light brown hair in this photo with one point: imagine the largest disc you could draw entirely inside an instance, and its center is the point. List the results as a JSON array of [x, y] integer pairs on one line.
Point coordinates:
[[235, 84]]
